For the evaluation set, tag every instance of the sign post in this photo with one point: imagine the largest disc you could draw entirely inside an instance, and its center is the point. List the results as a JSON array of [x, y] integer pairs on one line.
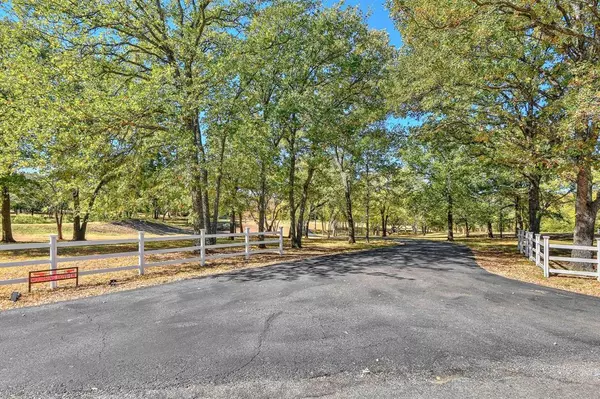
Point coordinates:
[[54, 275], [53, 256]]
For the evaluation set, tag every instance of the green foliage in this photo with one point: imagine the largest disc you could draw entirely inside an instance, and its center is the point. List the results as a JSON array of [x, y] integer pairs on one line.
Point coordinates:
[[513, 81], [280, 110], [193, 109]]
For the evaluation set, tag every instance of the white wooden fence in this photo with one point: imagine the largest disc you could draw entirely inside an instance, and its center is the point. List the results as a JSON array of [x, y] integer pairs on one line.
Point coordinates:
[[537, 248], [54, 259]]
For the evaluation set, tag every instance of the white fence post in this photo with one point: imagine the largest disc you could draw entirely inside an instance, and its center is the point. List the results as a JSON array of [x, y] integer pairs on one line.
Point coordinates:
[[53, 256], [519, 240], [598, 258], [247, 242], [202, 247], [546, 256], [537, 250], [281, 243], [141, 256], [530, 253]]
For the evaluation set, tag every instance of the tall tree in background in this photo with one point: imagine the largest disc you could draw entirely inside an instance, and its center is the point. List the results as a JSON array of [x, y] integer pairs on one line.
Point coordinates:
[[571, 29], [92, 128], [473, 70], [172, 43], [23, 84]]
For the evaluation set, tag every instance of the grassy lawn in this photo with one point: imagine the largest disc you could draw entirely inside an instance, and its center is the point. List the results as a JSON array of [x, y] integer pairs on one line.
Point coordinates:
[[500, 256], [98, 284]]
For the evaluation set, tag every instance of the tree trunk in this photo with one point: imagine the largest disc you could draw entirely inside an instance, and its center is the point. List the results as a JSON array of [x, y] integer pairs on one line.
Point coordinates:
[[450, 218], [232, 223], [155, 210], [211, 228], [7, 235], [534, 204], [383, 222], [449, 207], [199, 219], [585, 217], [58, 217], [302, 208], [467, 232], [217, 199], [79, 223], [78, 235], [262, 202], [490, 231], [348, 209], [368, 204], [518, 219], [291, 194]]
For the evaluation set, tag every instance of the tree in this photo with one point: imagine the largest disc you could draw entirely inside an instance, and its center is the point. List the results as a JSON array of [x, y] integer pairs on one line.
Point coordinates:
[[571, 29], [169, 45], [94, 129], [23, 84], [474, 70]]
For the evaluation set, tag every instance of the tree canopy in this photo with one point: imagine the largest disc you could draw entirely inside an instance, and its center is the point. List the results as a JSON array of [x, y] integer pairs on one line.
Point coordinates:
[[288, 112]]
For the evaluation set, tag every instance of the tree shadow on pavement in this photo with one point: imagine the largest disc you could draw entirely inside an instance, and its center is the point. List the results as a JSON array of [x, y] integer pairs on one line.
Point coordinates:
[[384, 262]]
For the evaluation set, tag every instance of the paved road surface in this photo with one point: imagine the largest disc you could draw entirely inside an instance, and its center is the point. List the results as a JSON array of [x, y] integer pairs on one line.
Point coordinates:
[[418, 320]]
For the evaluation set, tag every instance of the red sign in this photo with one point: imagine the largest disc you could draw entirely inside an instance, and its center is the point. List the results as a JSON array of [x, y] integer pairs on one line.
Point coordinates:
[[46, 276]]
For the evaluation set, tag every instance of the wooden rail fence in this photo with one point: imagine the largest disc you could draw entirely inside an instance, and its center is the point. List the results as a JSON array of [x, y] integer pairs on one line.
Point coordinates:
[[537, 248], [200, 249]]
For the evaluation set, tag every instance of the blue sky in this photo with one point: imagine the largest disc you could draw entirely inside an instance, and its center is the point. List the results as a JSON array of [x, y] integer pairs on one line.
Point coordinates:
[[379, 19]]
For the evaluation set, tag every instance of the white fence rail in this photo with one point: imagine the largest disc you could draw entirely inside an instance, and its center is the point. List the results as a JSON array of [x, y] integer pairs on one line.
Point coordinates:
[[54, 260], [538, 249]]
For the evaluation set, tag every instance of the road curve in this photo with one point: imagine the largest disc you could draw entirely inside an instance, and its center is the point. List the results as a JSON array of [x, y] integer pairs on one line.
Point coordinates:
[[417, 320]]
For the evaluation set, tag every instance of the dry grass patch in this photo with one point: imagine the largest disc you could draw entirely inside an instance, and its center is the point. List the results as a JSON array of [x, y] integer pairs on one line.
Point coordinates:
[[127, 280], [501, 257]]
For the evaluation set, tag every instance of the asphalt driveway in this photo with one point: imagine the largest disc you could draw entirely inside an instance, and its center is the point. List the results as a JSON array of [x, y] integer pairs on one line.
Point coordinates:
[[417, 320]]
